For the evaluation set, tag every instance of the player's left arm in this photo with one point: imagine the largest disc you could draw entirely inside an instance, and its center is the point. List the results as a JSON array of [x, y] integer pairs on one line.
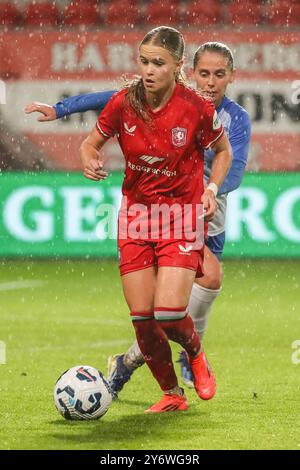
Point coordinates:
[[239, 140], [220, 166]]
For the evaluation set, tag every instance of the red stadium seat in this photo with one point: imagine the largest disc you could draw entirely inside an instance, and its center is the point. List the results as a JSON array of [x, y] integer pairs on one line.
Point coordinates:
[[162, 12], [248, 13], [119, 13], [201, 14], [42, 14], [9, 15], [283, 12], [81, 13]]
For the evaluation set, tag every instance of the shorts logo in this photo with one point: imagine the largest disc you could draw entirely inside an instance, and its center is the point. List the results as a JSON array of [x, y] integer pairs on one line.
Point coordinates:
[[179, 136], [185, 250]]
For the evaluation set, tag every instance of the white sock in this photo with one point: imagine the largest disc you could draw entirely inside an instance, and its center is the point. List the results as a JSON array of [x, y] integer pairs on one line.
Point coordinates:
[[133, 357], [200, 304], [175, 391]]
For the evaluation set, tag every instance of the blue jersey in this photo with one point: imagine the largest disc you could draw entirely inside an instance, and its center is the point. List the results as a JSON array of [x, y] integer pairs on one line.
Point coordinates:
[[236, 123], [82, 103], [234, 118]]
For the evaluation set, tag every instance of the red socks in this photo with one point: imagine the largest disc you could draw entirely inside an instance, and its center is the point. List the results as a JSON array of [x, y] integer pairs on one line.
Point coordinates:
[[152, 335], [179, 327], [154, 345]]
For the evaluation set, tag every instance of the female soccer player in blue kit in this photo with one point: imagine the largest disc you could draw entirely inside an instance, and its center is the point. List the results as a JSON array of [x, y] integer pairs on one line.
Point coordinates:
[[213, 71]]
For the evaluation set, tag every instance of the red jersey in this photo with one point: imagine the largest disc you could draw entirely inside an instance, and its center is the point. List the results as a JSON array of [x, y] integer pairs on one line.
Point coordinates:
[[164, 158]]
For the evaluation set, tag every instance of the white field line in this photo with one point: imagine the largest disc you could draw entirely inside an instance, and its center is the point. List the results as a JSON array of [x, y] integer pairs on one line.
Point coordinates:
[[13, 285]]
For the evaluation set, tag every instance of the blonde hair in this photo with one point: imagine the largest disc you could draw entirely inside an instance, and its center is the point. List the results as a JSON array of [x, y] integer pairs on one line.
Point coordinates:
[[171, 40]]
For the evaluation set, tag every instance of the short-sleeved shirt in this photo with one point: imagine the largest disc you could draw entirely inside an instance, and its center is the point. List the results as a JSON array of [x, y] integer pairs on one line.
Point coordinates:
[[163, 156]]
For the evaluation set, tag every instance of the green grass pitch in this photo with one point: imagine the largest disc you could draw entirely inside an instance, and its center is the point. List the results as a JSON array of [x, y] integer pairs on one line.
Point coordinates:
[[76, 313]]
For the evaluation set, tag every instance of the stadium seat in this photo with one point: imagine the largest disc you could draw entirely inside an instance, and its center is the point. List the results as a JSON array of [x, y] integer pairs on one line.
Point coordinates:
[[200, 14], [283, 12], [161, 13], [249, 13], [9, 14], [81, 13], [42, 14], [117, 13]]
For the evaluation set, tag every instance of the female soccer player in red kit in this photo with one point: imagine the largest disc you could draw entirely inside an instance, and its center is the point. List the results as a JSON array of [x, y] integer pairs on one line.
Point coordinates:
[[163, 128]]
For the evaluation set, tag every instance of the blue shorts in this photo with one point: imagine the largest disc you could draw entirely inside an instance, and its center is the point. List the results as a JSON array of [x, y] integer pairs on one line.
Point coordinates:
[[216, 244]]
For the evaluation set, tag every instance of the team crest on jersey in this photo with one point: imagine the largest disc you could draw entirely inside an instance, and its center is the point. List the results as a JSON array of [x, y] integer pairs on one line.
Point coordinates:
[[179, 135]]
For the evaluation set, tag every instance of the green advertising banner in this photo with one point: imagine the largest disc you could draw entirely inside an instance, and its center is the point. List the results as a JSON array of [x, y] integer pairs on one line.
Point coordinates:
[[64, 214], [58, 214], [263, 216]]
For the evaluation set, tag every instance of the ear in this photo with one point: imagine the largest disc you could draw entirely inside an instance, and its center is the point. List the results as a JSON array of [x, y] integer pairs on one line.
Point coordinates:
[[190, 73], [233, 76], [179, 67]]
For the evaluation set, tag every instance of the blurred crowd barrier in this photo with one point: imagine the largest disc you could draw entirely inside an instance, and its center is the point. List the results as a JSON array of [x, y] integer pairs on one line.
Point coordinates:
[[48, 66]]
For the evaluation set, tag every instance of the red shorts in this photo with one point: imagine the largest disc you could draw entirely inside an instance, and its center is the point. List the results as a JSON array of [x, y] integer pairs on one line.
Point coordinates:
[[135, 255]]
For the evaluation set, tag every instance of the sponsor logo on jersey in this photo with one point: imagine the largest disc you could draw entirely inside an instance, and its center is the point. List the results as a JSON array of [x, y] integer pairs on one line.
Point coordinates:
[[151, 160], [148, 169], [185, 250], [129, 130], [216, 122], [179, 135]]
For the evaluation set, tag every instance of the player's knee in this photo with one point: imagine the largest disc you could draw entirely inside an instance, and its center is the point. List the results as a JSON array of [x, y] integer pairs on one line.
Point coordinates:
[[212, 278], [214, 282], [216, 279]]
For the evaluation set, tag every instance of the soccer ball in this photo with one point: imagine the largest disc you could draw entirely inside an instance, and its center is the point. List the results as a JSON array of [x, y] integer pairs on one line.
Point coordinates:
[[82, 393]]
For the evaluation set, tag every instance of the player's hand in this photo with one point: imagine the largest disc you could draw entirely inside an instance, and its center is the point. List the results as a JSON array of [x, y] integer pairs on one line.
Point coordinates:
[[93, 170], [209, 204], [47, 111]]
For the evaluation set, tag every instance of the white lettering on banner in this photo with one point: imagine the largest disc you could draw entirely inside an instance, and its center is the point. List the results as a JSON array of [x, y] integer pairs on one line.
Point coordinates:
[[265, 57], [279, 58], [42, 220], [121, 57], [251, 215], [80, 207], [64, 57], [67, 57], [283, 214], [91, 59], [30, 214]]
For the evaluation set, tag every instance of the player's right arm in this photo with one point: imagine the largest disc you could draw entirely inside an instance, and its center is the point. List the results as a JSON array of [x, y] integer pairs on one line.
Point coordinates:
[[90, 156], [71, 105], [107, 126]]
